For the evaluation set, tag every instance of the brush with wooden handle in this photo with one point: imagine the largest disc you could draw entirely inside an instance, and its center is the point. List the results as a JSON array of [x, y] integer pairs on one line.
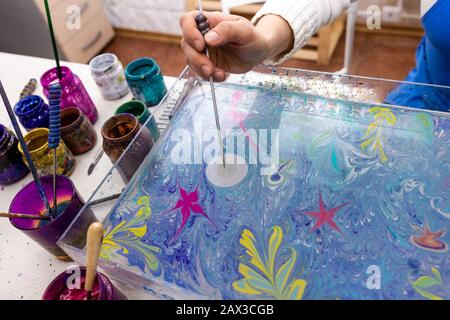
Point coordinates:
[[22, 216], [94, 244]]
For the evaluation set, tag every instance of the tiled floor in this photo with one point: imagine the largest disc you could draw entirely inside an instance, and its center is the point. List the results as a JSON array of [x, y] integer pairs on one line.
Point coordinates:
[[375, 55]]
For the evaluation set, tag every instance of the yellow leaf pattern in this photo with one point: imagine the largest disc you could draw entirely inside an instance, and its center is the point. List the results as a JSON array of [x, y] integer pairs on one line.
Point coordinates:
[[125, 239], [264, 279], [372, 139]]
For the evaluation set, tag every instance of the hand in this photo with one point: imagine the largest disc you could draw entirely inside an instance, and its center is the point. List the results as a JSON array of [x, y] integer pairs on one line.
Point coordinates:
[[235, 45]]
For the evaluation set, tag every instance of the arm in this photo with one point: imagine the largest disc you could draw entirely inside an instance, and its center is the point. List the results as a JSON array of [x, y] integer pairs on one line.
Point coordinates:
[[304, 18], [236, 45]]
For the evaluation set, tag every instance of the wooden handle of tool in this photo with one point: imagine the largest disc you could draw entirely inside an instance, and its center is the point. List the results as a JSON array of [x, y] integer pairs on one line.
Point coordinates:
[[94, 244]]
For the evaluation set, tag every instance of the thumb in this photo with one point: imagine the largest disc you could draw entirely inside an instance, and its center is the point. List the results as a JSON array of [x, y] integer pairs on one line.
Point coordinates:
[[237, 32]]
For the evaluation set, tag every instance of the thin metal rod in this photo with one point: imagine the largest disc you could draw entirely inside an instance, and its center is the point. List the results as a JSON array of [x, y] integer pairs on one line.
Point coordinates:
[[216, 116], [26, 152], [55, 164], [200, 6]]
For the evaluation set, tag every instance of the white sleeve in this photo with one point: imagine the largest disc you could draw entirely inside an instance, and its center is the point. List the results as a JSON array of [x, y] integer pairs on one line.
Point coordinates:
[[305, 17]]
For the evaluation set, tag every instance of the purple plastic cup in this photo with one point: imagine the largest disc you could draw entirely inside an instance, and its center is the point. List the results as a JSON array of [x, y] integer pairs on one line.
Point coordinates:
[[47, 233], [103, 288]]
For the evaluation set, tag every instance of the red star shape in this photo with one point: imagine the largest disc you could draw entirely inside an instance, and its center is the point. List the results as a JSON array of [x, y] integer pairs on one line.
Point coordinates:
[[325, 216]]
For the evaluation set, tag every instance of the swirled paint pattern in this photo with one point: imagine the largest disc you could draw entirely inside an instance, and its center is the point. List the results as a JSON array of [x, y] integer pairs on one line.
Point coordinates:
[[357, 187]]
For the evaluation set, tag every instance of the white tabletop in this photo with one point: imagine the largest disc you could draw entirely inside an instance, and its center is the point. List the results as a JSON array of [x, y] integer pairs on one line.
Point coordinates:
[[25, 268]]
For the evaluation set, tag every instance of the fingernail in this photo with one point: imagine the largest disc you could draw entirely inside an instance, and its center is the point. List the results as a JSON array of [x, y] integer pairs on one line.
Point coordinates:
[[198, 45], [212, 37], [206, 70]]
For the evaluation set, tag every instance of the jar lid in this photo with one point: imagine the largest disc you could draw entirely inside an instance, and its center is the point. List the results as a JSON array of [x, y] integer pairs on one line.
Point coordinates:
[[28, 105], [119, 128], [51, 76], [39, 137], [142, 68], [103, 63]]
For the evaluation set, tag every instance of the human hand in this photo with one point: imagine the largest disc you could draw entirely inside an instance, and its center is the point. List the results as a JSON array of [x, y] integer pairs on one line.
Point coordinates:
[[235, 44]]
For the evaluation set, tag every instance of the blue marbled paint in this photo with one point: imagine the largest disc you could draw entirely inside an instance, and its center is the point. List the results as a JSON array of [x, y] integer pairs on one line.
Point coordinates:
[[391, 193]]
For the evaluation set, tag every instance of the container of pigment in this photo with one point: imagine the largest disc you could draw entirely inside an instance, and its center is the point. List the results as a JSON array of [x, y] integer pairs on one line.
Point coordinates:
[[118, 132], [109, 76], [32, 112], [146, 81], [73, 92], [77, 131], [60, 290], [47, 232], [143, 114], [12, 167], [42, 155]]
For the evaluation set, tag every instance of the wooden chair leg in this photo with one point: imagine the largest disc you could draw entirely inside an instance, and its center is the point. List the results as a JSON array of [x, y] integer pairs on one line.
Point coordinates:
[[329, 38], [191, 5]]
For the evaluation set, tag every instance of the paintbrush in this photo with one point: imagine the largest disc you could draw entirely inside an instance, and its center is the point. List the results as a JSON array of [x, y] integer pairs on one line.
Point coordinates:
[[26, 152], [103, 200], [94, 244], [22, 216], [29, 89], [97, 158], [54, 136]]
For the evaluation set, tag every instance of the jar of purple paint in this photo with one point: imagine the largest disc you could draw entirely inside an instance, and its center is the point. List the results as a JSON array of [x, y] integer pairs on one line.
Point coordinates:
[[12, 167], [32, 112], [103, 288], [74, 93]]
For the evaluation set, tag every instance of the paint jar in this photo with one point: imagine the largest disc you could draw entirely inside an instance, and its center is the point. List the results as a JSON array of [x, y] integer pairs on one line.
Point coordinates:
[[143, 114], [42, 155], [103, 288], [146, 81], [32, 112], [118, 133], [73, 93], [77, 131], [47, 232], [12, 166], [109, 76]]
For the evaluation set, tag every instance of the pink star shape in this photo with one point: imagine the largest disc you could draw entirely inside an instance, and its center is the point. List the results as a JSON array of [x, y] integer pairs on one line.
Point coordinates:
[[234, 117], [188, 203], [325, 216]]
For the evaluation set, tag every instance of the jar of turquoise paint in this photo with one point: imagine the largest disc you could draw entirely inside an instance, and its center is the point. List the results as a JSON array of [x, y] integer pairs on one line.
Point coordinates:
[[146, 81]]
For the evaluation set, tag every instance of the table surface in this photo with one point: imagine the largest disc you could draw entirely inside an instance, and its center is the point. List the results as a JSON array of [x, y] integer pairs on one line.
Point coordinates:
[[25, 268]]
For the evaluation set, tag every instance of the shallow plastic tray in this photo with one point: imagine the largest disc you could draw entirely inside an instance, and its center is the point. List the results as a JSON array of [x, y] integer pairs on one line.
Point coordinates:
[[352, 206]]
